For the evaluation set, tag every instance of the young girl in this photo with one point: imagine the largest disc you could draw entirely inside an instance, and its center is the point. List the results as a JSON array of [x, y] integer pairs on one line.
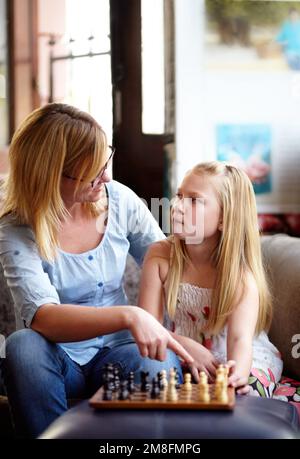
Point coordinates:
[[210, 277]]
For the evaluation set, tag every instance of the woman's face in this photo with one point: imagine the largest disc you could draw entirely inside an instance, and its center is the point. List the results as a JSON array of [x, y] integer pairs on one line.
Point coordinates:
[[89, 192], [196, 211]]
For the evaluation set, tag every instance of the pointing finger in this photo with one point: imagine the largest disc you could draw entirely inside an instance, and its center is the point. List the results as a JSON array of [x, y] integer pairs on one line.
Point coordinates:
[[179, 350]]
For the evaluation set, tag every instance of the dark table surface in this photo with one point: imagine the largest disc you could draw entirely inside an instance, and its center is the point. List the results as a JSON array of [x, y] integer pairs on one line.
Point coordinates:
[[252, 417]]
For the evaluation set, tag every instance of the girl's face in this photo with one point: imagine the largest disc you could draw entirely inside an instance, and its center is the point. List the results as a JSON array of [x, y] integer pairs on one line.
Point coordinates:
[[196, 211]]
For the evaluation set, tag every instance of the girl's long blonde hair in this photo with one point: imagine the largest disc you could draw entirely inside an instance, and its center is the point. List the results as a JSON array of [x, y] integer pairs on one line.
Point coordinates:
[[238, 251], [53, 140]]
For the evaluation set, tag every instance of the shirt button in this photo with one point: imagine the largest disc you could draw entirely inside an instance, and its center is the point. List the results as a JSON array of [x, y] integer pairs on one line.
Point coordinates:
[[91, 257], [100, 284], [16, 252]]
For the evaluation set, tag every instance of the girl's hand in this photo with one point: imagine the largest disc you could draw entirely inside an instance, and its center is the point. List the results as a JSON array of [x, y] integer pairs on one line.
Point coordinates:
[[152, 338], [203, 358], [236, 380]]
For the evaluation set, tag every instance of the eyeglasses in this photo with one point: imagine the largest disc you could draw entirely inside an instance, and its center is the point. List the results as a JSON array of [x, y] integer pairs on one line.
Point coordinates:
[[99, 177]]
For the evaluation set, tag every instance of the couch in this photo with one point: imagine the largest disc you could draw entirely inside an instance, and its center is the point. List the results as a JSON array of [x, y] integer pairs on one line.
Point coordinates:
[[282, 259]]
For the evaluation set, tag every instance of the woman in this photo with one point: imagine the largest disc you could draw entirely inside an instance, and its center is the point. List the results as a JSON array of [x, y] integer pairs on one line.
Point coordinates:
[[64, 239]]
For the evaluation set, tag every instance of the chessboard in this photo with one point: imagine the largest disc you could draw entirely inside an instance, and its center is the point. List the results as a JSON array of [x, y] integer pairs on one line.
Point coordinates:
[[165, 393]]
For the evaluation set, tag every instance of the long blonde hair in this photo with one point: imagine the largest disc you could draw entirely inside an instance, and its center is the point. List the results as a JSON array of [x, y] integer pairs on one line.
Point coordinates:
[[238, 250], [53, 140]]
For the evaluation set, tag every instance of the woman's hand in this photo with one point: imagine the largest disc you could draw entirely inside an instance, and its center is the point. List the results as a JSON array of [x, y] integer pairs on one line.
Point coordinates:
[[236, 380], [203, 358], [152, 338]]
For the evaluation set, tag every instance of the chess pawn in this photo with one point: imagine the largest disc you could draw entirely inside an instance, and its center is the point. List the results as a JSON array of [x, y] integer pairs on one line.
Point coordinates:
[[203, 388], [221, 372], [203, 377], [155, 391], [203, 393], [187, 386], [107, 391], [107, 394], [223, 395], [220, 384]]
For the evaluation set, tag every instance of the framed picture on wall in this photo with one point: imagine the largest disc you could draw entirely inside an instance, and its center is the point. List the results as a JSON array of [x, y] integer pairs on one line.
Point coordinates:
[[249, 147]]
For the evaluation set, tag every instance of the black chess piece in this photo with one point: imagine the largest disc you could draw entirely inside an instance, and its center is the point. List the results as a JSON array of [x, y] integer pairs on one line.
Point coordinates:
[[123, 391], [177, 383], [116, 379], [160, 380], [155, 391], [107, 394], [131, 386], [108, 377], [145, 385]]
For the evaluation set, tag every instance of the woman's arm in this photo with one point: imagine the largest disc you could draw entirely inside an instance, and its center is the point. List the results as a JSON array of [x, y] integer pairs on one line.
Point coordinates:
[[64, 323], [241, 329]]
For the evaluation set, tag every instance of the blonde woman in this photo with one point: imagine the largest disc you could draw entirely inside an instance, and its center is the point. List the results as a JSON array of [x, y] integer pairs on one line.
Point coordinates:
[[210, 276], [65, 232]]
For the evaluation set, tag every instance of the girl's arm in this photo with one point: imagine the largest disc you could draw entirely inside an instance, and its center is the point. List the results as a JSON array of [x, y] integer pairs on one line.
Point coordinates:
[[241, 328], [154, 272]]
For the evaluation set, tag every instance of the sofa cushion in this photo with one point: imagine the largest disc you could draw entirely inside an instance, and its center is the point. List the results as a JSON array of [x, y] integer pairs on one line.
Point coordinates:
[[282, 259], [7, 315]]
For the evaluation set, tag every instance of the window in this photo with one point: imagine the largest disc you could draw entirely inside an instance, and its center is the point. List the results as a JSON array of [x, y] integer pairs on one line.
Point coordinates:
[[153, 67], [81, 60], [3, 75]]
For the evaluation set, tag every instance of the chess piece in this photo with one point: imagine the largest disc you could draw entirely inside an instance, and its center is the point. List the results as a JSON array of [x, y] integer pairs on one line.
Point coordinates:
[[203, 388], [145, 386], [108, 376], [155, 391], [107, 394], [116, 380], [221, 386], [203, 377], [107, 390], [221, 372], [223, 395], [177, 385], [187, 386], [163, 381], [131, 386], [172, 395], [123, 392], [203, 392]]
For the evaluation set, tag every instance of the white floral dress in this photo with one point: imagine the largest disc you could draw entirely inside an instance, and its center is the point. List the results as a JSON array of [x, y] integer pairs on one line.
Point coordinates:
[[192, 312]]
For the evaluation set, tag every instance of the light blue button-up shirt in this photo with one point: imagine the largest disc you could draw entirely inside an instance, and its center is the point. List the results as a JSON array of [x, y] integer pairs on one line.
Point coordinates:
[[93, 278]]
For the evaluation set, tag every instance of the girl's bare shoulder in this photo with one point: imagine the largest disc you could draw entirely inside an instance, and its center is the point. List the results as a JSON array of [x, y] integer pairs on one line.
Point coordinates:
[[160, 249], [159, 253]]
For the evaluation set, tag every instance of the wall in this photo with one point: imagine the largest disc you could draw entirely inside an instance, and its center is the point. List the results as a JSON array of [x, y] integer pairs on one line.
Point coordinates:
[[189, 21], [248, 91]]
